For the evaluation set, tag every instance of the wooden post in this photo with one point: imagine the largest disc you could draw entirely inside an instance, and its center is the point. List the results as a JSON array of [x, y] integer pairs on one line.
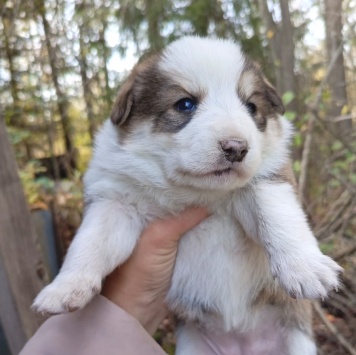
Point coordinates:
[[22, 273]]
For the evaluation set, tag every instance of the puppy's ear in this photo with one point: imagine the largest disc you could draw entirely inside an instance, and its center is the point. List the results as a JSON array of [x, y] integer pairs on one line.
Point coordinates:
[[273, 98], [124, 102], [253, 86]]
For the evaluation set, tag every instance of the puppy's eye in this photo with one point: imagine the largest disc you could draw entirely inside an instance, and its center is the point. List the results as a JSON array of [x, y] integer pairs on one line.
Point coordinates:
[[251, 108], [185, 105]]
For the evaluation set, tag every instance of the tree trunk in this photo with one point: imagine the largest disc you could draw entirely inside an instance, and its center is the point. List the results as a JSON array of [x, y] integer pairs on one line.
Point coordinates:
[[337, 82], [281, 41], [154, 10], [22, 271], [289, 82], [62, 101], [105, 58], [7, 20], [273, 37], [86, 86]]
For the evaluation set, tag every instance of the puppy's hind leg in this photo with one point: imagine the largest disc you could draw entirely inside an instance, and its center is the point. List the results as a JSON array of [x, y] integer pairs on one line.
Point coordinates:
[[191, 342], [300, 343], [105, 239]]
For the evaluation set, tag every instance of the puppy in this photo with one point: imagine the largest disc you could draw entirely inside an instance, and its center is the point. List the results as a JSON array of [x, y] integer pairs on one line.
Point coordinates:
[[199, 125]]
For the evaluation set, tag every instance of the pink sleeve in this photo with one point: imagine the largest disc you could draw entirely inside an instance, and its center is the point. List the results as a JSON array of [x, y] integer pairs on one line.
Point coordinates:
[[100, 328]]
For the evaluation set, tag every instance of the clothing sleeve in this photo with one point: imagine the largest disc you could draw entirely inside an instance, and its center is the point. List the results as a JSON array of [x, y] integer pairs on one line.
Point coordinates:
[[100, 328]]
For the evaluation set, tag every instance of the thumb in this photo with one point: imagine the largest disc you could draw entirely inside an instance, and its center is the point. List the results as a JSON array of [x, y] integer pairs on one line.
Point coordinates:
[[173, 228], [188, 219]]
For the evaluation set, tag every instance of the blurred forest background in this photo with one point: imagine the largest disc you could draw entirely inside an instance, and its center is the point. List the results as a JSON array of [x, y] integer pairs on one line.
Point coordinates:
[[62, 62]]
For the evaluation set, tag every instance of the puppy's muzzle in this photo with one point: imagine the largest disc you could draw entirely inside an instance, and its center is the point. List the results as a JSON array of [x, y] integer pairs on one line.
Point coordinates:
[[234, 149]]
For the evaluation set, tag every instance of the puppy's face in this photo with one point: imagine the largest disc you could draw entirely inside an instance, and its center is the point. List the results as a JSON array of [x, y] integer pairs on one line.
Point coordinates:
[[201, 113]]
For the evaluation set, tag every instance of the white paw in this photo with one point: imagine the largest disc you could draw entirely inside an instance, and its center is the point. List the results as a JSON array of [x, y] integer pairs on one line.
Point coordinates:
[[310, 275], [66, 293]]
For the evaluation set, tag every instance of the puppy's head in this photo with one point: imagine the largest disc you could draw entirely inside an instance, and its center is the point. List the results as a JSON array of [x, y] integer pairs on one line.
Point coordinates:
[[203, 114]]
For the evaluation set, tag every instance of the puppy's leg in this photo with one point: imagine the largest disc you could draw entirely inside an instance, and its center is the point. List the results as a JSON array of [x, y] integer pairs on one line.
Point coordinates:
[[191, 342], [270, 213], [105, 239], [300, 343]]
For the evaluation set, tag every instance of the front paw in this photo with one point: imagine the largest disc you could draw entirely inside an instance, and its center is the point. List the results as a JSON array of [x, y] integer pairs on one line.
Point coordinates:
[[66, 293], [310, 275]]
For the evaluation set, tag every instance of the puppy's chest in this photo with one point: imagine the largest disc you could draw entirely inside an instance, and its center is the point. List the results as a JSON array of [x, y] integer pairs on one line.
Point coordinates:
[[221, 231], [218, 270], [217, 245]]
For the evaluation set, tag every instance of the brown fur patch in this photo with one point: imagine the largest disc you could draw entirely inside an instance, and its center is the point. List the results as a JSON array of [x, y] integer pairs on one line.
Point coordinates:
[[149, 93], [124, 100], [254, 88], [285, 174]]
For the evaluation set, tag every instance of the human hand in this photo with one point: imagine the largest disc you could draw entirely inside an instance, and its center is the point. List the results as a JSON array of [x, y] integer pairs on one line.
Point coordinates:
[[140, 285]]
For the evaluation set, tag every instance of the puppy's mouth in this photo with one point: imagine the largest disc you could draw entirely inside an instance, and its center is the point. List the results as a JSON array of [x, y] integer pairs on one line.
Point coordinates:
[[222, 172], [208, 174]]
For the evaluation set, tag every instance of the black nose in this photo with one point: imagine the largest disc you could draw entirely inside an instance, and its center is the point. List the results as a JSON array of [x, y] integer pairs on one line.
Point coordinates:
[[234, 149]]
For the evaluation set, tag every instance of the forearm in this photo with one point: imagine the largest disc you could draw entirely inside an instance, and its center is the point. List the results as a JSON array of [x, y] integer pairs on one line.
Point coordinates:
[[271, 214], [100, 328], [148, 310]]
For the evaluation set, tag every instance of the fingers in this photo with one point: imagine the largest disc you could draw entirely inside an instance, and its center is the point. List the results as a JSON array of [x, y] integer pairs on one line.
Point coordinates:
[[174, 227], [191, 217]]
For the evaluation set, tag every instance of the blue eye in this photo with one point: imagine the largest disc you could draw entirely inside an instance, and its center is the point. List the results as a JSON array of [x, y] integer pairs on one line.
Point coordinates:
[[185, 105]]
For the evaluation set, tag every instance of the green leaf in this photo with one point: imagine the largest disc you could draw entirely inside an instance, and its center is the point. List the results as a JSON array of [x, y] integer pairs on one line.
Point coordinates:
[[296, 166], [298, 139], [287, 97], [326, 248], [290, 115], [336, 145]]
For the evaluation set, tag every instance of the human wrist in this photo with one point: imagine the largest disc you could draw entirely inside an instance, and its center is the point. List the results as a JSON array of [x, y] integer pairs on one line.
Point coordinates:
[[148, 311], [149, 315]]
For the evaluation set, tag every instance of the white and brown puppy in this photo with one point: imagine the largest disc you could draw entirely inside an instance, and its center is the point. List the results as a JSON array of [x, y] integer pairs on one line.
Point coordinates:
[[198, 124]]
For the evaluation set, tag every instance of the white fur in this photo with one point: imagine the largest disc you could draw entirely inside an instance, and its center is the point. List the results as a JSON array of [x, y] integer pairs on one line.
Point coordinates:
[[271, 340], [90, 259], [300, 344], [306, 273], [190, 342], [222, 264]]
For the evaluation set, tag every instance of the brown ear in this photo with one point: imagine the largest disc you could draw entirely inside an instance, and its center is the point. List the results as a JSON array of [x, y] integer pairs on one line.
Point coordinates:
[[253, 83], [274, 99], [125, 99], [124, 102]]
